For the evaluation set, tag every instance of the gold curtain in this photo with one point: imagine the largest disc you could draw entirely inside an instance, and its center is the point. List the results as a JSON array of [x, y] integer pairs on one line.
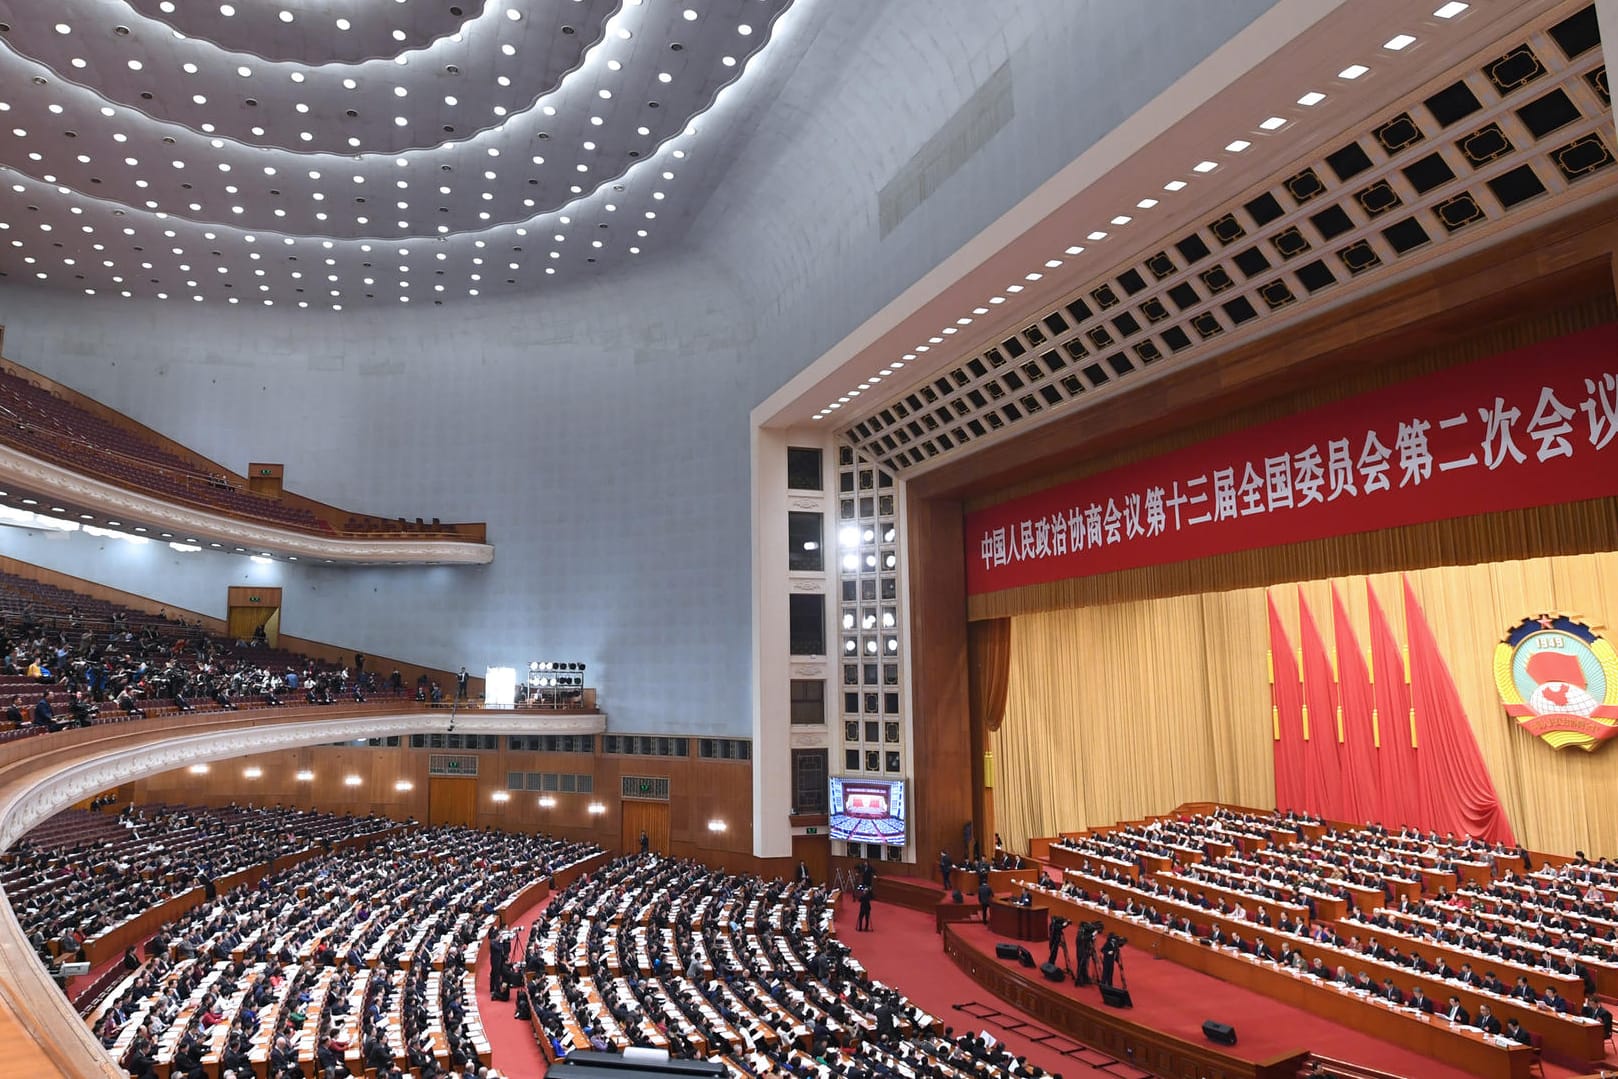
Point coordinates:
[[988, 652], [1121, 710]]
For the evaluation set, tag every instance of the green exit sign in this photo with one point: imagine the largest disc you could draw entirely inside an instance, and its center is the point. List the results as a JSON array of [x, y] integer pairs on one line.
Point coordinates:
[[811, 831]]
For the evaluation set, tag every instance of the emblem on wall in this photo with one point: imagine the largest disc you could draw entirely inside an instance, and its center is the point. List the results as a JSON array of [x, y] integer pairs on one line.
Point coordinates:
[[1558, 679]]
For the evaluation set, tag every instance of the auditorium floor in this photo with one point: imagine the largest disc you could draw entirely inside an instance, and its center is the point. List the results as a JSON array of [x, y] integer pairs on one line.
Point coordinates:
[[904, 950], [511, 1040]]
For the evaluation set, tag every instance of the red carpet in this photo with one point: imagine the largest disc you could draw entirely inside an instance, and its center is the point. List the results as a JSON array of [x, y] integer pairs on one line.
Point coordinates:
[[512, 1048], [904, 950]]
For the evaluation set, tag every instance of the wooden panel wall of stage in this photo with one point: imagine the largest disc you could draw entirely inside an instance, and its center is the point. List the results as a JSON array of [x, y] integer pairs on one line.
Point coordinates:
[[1125, 709], [700, 790]]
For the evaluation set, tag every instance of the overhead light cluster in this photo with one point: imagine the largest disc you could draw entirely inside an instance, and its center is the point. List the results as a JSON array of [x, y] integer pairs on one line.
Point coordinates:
[[270, 154], [1269, 125]]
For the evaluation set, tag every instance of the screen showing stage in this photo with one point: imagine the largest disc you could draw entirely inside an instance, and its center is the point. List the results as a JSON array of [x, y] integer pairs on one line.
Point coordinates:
[[868, 810]]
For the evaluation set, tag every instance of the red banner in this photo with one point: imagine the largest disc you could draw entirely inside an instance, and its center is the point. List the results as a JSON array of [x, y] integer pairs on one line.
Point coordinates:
[[1532, 427]]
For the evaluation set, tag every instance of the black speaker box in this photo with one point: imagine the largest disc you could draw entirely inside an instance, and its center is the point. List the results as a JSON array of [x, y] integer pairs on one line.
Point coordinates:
[[1215, 1031], [1006, 950], [1118, 998], [1052, 972], [1024, 958], [957, 897]]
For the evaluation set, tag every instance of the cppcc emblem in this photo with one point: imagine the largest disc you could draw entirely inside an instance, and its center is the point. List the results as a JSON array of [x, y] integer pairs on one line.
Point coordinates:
[[1558, 679]]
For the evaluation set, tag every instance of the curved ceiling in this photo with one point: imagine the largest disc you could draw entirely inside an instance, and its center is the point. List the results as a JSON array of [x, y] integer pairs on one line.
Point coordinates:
[[327, 153]]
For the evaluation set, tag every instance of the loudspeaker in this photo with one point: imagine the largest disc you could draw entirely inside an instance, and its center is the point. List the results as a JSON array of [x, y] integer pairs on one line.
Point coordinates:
[[957, 897], [1118, 998], [1006, 950], [1215, 1031], [1024, 958], [1052, 972]]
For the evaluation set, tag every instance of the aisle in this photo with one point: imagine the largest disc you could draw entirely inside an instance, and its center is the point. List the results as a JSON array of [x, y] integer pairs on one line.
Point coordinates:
[[512, 1048], [903, 951]]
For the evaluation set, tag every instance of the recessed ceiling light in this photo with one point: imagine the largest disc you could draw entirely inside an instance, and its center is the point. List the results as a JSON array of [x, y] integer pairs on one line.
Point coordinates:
[[1205, 166], [1014, 289], [1274, 123], [1097, 235], [1313, 97], [1074, 250], [1051, 264], [1399, 42], [343, 24], [1174, 185], [286, 16], [1237, 146], [1122, 219], [1033, 276], [1352, 71], [63, 28], [1452, 9], [690, 16], [1146, 204]]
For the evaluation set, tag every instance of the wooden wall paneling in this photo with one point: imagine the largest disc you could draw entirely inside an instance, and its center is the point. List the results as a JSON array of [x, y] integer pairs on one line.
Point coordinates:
[[648, 818], [941, 794], [452, 800], [814, 851]]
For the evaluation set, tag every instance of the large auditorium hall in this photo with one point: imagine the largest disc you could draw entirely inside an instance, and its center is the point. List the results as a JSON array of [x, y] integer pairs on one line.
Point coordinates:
[[808, 539]]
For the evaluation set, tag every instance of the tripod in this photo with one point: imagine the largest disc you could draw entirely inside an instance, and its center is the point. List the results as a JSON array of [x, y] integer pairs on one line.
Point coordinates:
[[1087, 972], [1112, 964]]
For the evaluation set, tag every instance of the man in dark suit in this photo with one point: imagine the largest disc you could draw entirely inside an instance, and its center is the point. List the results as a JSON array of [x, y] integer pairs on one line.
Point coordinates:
[[44, 714], [1555, 1001], [863, 923], [14, 712], [1392, 993], [985, 898], [946, 866], [1522, 990], [1457, 1014], [1487, 1022], [1420, 1000], [1516, 1032]]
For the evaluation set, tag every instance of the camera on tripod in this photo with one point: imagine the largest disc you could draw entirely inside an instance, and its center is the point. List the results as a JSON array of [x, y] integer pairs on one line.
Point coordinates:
[[1114, 944]]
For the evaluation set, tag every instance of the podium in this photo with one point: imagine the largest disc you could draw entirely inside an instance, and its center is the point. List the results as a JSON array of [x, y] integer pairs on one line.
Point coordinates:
[[1018, 922]]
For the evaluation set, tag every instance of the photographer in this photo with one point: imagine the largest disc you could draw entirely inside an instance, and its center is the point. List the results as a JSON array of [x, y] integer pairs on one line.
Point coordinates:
[[1059, 943]]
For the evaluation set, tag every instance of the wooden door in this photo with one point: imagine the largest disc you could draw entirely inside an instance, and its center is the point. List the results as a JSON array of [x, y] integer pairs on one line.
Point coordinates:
[[452, 800], [814, 851], [650, 817]]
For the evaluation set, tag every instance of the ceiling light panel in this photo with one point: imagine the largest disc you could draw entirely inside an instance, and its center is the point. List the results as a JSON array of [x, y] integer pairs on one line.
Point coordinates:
[[1472, 152], [269, 165]]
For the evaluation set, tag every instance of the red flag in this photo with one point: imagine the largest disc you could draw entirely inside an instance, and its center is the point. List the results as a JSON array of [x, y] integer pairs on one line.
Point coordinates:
[[1461, 791], [1286, 713], [1362, 780], [1324, 775]]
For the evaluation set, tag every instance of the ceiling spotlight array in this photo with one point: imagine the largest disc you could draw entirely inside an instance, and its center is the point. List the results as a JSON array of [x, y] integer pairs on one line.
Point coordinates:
[[1308, 100], [267, 154]]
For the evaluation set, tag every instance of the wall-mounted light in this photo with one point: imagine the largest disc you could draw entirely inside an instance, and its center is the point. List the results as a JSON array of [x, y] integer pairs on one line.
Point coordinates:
[[254, 772], [352, 781], [501, 796], [717, 825], [546, 802], [304, 776], [404, 785], [596, 809], [198, 769]]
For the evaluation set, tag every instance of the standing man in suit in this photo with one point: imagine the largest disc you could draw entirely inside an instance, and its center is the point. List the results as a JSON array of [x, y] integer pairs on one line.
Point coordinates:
[[460, 684], [863, 923], [946, 866], [645, 841], [985, 897]]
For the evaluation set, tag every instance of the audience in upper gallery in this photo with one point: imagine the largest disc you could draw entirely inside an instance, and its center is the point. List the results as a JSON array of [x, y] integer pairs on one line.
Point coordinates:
[[672, 955], [352, 961]]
